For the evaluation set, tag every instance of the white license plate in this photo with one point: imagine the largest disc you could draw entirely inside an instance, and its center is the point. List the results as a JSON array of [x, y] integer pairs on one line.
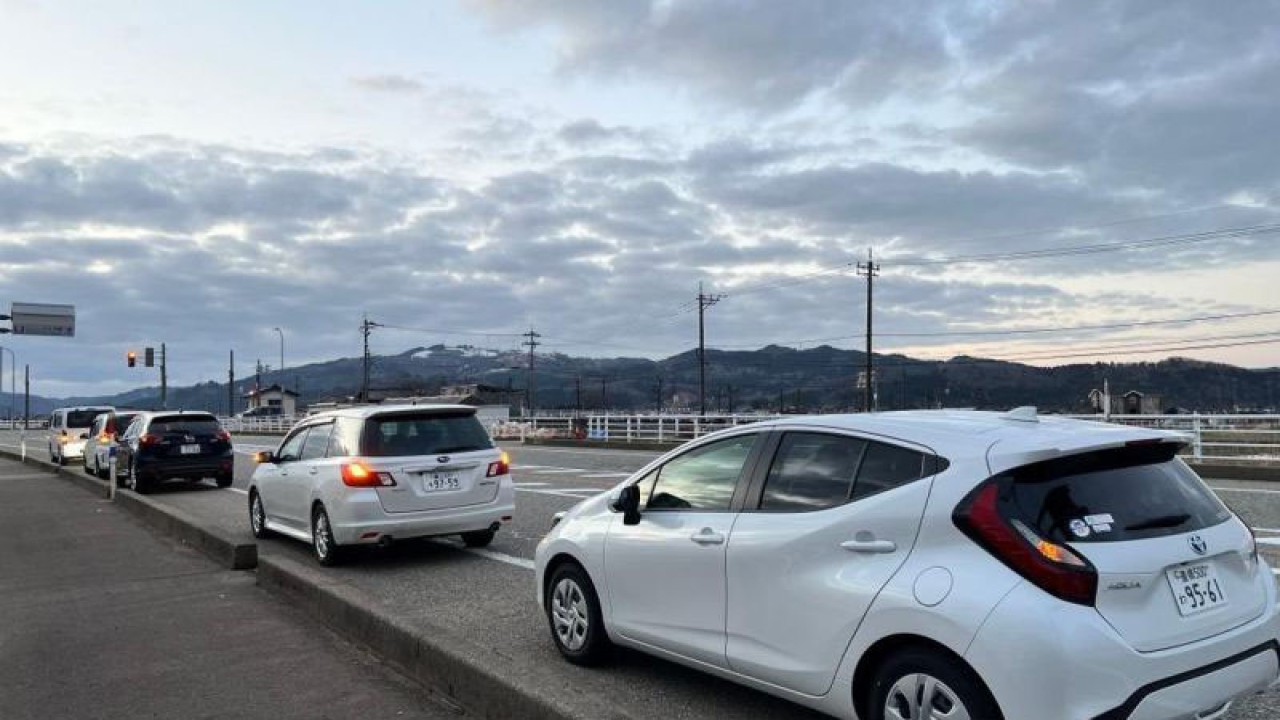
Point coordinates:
[[436, 482], [189, 450], [1196, 588]]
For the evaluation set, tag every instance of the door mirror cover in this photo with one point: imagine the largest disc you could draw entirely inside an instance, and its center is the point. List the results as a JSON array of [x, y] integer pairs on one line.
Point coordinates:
[[264, 457], [628, 503]]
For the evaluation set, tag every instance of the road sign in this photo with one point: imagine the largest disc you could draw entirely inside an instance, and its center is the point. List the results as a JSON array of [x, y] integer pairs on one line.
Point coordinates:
[[44, 319]]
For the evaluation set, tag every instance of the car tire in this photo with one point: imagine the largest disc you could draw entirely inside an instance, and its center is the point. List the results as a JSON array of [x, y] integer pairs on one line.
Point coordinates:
[[915, 676], [137, 483], [323, 545], [258, 516], [224, 481], [574, 617], [87, 469], [479, 538]]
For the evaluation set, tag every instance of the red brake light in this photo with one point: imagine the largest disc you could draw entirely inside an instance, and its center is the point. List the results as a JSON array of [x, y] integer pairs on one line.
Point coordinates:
[[1051, 567], [223, 435], [105, 438], [358, 474], [149, 439], [501, 466]]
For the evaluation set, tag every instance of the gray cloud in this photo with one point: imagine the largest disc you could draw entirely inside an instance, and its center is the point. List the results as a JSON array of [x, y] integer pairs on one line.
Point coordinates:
[[391, 83]]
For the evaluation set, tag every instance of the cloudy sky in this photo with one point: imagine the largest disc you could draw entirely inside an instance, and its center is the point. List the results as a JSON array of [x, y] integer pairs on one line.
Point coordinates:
[[200, 173]]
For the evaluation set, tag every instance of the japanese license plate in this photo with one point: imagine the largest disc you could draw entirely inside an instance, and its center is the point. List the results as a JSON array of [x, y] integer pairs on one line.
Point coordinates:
[[1196, 588], [189, 450], [435, 482]]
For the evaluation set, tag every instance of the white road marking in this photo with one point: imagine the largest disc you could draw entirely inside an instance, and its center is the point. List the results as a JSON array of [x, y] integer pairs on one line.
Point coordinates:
[[491, 554], [584, 451], [1275, 571], [559, 493], [242, 492], [1245, 490], [608, 475], [559, 471], [529, 467], [531, 484]]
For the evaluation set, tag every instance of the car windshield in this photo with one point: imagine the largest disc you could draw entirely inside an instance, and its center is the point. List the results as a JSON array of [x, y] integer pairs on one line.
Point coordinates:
[[83, 418], [424, 434], [185, 424]]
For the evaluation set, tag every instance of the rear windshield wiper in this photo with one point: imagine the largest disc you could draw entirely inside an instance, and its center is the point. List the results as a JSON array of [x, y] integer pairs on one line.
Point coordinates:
[[1162, 521], [459, 448]]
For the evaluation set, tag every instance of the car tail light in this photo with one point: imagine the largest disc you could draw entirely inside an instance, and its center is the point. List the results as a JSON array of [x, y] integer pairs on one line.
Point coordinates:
[[105, 438], [223, 435], [359, 475], [1054, 568], [149, 439], [502, 466]]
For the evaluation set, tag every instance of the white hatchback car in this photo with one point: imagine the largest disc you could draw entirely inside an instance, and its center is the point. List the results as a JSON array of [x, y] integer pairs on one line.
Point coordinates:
[[69, 429], [364, 476], [930, 564]]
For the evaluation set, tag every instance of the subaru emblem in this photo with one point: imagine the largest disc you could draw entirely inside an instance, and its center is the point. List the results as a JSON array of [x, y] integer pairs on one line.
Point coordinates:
[[442, 459], [1198, 544]]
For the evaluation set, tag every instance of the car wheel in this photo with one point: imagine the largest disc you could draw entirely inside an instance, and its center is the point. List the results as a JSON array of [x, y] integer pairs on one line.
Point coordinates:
[[478, 539], [136, 481], [258, 516], [573, 612], [919, 684], [224, 481], [88, 470], [325, 547]]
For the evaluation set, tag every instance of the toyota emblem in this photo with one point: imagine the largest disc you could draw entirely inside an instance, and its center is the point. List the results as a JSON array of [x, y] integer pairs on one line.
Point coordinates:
[[1198, 544], [442, 459]]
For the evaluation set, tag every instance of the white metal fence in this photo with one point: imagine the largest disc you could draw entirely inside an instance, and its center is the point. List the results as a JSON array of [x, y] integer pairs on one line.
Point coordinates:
[[1235, 439]]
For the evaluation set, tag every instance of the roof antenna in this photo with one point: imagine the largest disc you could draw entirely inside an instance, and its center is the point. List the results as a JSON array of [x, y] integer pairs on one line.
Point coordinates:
[[1026, 413]]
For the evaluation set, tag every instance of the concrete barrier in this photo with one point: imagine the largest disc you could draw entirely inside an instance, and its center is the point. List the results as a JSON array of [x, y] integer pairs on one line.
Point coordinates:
[[486, 681]]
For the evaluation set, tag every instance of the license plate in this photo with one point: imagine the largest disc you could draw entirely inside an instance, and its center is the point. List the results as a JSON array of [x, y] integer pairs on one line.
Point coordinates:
[[435, 482], [1196, 588], [189, 450]]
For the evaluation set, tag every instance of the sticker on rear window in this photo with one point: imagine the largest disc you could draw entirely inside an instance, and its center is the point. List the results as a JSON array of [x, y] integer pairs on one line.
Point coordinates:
[[1079, 528]]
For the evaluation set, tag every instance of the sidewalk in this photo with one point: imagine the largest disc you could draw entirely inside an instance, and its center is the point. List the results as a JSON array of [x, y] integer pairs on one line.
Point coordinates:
[[100, 618]]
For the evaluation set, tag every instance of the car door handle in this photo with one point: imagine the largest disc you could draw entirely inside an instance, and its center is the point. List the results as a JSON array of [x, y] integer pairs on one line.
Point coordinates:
[[869, 546], [707, 537]]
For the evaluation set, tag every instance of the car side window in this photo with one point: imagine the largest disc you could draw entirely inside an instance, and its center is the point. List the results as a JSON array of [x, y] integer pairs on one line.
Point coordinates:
[[885, 467], [317, 442], [703, 478], [291, 448], [345, 440], [812, 471], [96, 430]]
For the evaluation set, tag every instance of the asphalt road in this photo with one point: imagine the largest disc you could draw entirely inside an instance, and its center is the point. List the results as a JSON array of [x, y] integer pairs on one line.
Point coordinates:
[[488, 593]]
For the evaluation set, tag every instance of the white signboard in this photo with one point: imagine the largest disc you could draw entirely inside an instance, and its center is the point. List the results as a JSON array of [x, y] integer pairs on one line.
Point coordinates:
[[43, 319]]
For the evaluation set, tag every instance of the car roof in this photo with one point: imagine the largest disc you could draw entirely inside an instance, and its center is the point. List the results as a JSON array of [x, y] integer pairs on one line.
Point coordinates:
[[1004, 439], [367, 411], [194, 413]]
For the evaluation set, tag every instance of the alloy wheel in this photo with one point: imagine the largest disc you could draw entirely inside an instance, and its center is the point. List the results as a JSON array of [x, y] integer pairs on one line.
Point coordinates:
[[569, 614], [919, 696], [257, 515], [321, 536]]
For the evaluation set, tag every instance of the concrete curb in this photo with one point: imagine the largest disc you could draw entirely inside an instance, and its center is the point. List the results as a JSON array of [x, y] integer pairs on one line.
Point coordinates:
[[489, 683], [228, 552]]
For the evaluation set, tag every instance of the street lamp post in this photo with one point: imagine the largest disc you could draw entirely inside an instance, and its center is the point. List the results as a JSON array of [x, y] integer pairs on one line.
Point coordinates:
[[13, 378], [281, 332]]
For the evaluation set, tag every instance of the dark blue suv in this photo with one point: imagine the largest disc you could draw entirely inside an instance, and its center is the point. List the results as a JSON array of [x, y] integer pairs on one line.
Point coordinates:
[[173, 444]]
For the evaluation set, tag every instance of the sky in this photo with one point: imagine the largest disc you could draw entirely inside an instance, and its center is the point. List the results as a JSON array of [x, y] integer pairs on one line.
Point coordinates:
[[461, 171]]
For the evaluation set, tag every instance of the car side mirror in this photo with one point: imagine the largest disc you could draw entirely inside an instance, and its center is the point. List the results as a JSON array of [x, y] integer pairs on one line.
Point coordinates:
[[628, 503], [264, 457]]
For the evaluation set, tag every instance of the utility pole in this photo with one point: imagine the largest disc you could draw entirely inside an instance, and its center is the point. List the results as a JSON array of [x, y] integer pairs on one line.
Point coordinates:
[[530, 394], [577, 394], [366, 327], [658, 405], [870, 270], [730, 399], [704, 301], [231, 384], [26, 400], [164, 378], [604, 394]]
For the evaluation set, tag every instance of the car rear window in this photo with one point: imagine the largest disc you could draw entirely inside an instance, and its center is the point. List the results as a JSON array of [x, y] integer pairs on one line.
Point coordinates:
[[423, 434], [83, 418], [1113, 495], [186, 424], [122, 422]]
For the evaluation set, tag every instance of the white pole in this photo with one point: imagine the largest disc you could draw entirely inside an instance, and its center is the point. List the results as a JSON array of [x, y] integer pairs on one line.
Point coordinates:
[[111, 472]]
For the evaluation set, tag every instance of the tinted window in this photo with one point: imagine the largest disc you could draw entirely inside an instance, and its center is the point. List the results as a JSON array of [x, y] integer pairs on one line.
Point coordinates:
[[120, 423], [317, 441], [812, 472], [1125, 494], [291, 449], [185, 424], [82, 418], [424, 434], [702, 479], [345, 440], [885, 467]]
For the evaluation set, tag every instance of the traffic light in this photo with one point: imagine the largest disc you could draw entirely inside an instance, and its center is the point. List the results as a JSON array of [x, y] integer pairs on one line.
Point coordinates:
[[150, 357], [132, 357]]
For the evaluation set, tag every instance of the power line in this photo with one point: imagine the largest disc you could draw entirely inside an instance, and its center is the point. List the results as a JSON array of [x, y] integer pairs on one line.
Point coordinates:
[[870, 269]]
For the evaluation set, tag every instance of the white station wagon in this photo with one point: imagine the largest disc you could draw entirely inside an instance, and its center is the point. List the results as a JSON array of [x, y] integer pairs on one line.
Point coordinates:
[[926, 565], [366, 476]]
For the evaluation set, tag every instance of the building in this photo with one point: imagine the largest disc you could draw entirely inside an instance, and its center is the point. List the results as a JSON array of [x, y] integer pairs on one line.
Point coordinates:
[[1130, 403], [273, 396]]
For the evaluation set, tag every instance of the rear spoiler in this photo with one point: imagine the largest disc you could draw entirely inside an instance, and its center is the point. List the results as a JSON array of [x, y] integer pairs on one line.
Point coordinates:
[[1004, 455]]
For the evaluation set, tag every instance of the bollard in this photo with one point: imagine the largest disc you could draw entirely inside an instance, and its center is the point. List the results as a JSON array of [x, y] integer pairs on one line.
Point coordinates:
[[111, 472], [22, 440]]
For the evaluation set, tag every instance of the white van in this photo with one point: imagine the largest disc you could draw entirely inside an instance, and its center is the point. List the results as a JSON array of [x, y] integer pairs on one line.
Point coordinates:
[[69, 429]]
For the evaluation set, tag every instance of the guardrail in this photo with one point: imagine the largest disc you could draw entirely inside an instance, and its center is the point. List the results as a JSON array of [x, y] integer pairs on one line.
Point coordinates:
[[275, 425], [1232, 439]]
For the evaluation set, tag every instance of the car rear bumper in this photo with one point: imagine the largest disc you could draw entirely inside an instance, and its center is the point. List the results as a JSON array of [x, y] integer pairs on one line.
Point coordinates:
[[1052, 660], [72, 449], [358, 518], [199, 467]]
